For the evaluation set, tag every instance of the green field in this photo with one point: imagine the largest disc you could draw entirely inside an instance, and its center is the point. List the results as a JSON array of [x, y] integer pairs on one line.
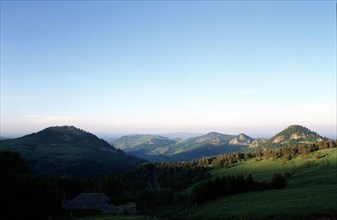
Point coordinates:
[[311, 192], [306, 169]]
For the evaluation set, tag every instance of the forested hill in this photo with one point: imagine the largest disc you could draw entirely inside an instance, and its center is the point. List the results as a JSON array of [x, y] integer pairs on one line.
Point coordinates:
[[295, 134], [67, 134], [69, 150]]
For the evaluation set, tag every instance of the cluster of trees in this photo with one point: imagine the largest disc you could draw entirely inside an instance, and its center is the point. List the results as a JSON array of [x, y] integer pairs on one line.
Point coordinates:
[[283, 153], [179, 175], [228, 185], [287, 153], [153, 183]]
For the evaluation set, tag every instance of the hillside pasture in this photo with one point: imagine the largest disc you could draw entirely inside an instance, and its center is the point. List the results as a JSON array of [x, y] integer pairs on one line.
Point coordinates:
[[311, 192]]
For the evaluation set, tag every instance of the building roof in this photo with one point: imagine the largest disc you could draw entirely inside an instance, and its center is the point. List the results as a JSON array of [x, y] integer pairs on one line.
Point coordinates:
[[87, 201]]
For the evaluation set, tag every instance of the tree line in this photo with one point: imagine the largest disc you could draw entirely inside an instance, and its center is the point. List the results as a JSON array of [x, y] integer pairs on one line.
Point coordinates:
[[228, 185], [275, 153]]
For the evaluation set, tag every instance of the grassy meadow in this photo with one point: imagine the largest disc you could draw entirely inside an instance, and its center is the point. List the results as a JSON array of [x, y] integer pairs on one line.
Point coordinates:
[[311, 192]]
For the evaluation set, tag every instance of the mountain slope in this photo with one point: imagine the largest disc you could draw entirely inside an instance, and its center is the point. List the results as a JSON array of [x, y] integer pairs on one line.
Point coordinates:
[[69, 150], [212, 138], [257, 142], [295, 134], [142, 142], [209, 144]]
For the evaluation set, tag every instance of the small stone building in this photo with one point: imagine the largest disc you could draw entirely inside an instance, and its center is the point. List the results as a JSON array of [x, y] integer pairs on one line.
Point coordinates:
[[129, 208], [97, 203], [87, 202]]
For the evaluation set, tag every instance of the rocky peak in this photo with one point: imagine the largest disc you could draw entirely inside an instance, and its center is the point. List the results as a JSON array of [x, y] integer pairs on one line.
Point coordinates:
[[241, 139]]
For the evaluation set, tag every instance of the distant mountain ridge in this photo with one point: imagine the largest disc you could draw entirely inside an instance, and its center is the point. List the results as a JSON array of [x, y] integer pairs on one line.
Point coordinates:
[[213, 143], [152, 147], [69, 150]]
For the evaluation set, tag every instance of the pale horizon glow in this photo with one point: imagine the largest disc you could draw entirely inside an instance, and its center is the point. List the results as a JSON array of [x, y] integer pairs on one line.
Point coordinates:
[[160, 67]]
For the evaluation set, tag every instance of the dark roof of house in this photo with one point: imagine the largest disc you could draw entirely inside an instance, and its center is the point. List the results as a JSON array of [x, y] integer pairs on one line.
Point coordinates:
[[87, 201]]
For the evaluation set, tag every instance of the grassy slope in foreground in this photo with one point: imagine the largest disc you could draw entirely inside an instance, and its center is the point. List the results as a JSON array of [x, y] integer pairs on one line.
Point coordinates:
[[311, 191]]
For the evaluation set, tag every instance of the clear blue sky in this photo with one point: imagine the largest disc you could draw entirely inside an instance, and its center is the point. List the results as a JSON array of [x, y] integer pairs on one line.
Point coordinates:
[[154, 67]]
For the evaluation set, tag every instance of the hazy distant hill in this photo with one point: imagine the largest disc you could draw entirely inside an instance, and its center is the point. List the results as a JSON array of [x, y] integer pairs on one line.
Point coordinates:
[[150, 147], [295, 134], [154, 147], [139, 141], [212, 138], [69, 150], [181, 135]]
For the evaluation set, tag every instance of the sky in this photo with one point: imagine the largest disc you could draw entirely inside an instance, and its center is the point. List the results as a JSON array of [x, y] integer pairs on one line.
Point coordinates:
[[167, 66]]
